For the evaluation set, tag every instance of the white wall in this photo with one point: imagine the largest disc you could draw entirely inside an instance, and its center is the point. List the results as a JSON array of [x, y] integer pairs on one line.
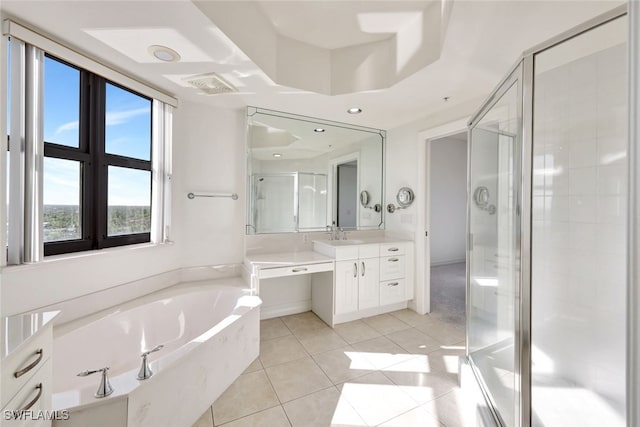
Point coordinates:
[[209, 156], [448, 210]]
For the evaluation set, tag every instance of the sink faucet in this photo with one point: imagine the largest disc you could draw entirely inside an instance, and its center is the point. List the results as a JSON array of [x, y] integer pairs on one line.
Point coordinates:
[[105, 388], [145, 371]]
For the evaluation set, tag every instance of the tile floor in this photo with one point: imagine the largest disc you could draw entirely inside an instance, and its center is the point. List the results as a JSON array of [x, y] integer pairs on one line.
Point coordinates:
[[397, 369]]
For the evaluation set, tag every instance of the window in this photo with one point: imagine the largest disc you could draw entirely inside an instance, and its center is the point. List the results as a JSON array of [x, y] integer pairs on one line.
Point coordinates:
[[90, 164], [97, 161]]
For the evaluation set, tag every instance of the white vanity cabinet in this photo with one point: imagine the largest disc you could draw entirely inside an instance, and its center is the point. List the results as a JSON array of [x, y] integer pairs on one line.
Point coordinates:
[[370, 278], [27, 371]]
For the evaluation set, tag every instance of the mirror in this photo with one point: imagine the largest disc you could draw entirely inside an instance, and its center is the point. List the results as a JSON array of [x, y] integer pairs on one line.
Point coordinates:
[[307, 174]]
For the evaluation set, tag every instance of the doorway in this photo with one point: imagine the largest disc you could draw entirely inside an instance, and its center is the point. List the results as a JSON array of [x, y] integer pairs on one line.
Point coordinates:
[[447, 214], [347, 177]]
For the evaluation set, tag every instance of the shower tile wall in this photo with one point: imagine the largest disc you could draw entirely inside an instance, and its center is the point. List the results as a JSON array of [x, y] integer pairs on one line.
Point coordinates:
[[578, 236]]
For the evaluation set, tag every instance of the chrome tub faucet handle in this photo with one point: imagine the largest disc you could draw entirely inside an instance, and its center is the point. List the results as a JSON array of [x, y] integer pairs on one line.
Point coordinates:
[[145, 371], [105, 388]]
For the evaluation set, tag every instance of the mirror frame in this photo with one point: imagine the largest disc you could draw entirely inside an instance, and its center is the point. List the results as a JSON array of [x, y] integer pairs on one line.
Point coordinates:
[[252, 110]]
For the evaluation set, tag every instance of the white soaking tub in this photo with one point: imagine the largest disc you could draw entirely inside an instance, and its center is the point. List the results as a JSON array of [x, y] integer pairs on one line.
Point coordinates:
[[210, 333]]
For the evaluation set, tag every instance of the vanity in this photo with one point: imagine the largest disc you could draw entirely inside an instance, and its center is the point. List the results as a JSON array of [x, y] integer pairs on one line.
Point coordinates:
[[27, 372], [309, 175], [348, 279]]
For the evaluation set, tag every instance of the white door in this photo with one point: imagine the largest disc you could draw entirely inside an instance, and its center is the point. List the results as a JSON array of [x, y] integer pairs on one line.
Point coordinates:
[[346, 286], [369, 283]]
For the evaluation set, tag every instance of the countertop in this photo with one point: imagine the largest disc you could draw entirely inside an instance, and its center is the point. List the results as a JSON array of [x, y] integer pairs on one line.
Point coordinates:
[[285, 259]]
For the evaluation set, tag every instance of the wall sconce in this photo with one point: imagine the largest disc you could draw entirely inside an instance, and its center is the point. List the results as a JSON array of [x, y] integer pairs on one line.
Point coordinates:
[[404, 198]]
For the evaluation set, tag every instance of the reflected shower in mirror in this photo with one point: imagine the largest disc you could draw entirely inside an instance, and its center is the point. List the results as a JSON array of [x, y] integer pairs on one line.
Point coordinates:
[[308, 174]]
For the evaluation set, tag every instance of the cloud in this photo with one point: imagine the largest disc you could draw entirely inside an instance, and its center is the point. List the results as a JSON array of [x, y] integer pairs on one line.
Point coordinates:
[[67, 126], [114, 118]]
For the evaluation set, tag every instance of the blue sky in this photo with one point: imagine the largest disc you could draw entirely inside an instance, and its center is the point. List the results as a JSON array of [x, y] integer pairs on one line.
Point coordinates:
[[128, 132]]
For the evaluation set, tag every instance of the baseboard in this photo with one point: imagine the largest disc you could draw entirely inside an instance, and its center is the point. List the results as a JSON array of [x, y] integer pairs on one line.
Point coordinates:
[[284, 309], [449, 262], [348, 317]]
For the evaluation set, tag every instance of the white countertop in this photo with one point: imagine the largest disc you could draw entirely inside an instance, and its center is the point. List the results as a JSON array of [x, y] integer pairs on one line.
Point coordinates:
[[285, 259]]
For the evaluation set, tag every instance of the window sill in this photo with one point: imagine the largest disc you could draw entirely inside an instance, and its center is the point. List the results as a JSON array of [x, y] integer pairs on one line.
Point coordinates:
[[53, 259]]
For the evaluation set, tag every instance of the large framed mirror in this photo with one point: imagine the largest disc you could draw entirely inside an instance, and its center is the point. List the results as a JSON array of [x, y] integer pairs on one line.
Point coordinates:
[[307, 174]]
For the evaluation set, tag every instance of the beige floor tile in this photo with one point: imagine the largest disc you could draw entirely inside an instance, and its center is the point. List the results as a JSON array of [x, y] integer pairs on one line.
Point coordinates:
[[375, 398], [356, 331], [321, 340], [343, 364], [322, 408], [250, 393], [452, 410], [412, 318], [274, 417], [304, 323], [385, 323], [382, 352], [414, 341], [446, 359], [443, 332], [421, 386], [256, 365], [281, 350], [273, 328], [295, 379], [205, 420], [418, 417]]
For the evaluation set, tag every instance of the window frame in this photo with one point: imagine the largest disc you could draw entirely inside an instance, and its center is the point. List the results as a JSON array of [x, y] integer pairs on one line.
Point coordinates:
[[94, 165]]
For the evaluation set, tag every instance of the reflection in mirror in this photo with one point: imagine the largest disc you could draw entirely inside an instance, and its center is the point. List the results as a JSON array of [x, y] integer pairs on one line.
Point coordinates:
[[301, 178]]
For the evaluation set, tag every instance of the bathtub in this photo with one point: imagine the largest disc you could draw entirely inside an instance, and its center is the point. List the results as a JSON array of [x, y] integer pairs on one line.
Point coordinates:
[[210, 333]]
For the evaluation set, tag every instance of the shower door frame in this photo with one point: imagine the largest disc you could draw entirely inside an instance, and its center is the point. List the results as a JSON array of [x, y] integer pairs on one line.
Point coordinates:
[[523, 70], [521, 315]]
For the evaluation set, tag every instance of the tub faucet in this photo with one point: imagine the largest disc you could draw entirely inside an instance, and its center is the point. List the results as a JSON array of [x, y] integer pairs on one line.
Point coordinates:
[[145, 371], [105, 388]]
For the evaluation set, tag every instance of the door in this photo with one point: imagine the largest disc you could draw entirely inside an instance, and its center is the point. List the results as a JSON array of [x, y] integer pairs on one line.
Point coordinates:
[[493, 255], [369, 283], [346, 286]]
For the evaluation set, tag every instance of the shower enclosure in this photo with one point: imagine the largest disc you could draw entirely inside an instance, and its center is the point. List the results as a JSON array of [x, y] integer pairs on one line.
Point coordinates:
[[285, 202], [546, 270]]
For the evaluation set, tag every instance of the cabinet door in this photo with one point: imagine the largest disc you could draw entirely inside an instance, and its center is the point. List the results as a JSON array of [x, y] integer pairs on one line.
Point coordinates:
[[346, 300], [369, 283]]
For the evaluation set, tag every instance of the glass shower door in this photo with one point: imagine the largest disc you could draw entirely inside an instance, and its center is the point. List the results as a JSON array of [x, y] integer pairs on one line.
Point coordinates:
[[493, 258]]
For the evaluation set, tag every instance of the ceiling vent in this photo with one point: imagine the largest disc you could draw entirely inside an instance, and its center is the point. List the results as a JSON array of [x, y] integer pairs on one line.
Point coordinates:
[[210, 84]]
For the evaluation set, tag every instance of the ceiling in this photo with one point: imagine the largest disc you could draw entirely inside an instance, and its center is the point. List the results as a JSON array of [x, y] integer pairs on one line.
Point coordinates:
[[482, 40]]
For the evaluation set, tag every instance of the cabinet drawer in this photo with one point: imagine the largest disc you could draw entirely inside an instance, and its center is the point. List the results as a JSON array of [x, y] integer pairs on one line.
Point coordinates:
[[392, 267], [34, 351], [38, 389], [392, 291], [295, 270], [389, 249]]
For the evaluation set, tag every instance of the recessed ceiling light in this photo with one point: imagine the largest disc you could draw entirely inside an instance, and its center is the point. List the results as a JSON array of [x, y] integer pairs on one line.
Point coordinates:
[[354, 110], [277, 155], [164, 53], [319, 130]]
